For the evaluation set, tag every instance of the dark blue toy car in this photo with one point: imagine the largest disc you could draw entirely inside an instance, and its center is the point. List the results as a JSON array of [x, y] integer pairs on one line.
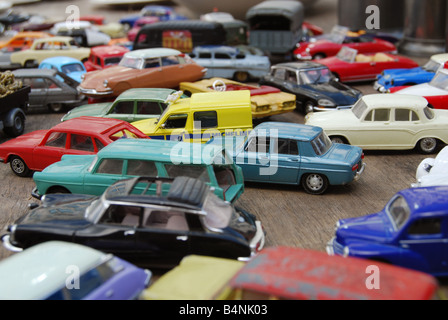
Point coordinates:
[[411, 231], [408, 77]]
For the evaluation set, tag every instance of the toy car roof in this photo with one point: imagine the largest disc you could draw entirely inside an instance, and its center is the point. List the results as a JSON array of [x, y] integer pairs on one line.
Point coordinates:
[[301, 65], [423, 200], [189, 24], [87, 124], [145, 93], [61, 60], [288, 130], [152, 53], [394, 100]]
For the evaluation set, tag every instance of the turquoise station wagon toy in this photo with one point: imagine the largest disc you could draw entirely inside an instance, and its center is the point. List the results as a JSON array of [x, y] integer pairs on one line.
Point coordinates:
[[297, 154], [126, 158]]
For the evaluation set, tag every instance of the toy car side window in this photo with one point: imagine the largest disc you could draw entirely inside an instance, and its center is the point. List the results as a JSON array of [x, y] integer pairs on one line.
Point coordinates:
[[141, 168], [81, 142], [110, 166], [381, 115], [206, 119], [195, 171], [56, 139], [287, 146], [176, 121], [425, 226], [259, 144], [99, 144], [169, 61], [279, 73], [148, 107], [170, 220], [152, 63], [50, 84], [124, 215], [402, 114], [222, 56], [124, 107], [204, 55]]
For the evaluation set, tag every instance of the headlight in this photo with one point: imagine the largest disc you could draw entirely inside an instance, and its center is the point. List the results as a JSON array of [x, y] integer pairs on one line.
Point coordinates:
[[83, 76], [346, 252], [105, 83], [325, 103]]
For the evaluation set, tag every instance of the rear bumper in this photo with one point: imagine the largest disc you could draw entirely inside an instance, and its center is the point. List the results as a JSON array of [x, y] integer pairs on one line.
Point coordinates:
[[257, 242]]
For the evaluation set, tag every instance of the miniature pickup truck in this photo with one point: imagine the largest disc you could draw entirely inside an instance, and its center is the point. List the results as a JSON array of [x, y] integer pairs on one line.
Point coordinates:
[[13, 105]]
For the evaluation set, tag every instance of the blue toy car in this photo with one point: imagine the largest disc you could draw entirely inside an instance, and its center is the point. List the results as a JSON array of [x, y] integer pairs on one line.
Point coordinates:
[[164, 13], [296, 154], [56, 270], [72, 67], [410, 232], [407, 77]]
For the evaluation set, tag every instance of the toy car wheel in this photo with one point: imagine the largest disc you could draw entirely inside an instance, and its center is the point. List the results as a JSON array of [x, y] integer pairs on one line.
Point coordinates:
[[241, 76], [427, 145], [57, 189], [19, 167], [308, 107], [55, 107], [337, 139], [315, 183], [318, 56], [31, 64], [219, 85], [17, 128]]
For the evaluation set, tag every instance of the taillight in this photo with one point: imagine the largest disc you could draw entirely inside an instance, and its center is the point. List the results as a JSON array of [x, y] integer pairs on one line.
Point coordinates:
[[362, 155], [355, 167]]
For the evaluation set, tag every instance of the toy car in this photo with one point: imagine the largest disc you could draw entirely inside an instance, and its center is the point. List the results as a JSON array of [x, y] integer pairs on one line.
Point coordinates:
[[296, 154], [435, 91], [273, 275], [147, 228], [42, 272], [408, 232], [36, 150], [266, 100], [230, 62], [131, 105], [409, 77], [145, 68], [142, 21], [201, 118], [386, 122], [313, 84], [432, 171], [49, 47], [329, 45], [70, 66], [102, 57], [85, 33], [126, 158], [349, 66], [21, 41], [50, 88], [163, 13]]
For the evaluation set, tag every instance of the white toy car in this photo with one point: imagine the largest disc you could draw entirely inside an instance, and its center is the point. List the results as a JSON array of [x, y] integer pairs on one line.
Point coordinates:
[[433, 171]]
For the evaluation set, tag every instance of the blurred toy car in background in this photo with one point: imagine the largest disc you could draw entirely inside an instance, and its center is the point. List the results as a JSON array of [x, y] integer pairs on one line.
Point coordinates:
[[163, 13], [102, 57], [295, 154], [349, 66], [265, 100], [50, 89], [313, 84], [435, 91], [409, 77], [131, 105], [21, 40], [272, 275], [146, 68], [85, 34], [36, 150], [432, 171], [230, 62], [386, 122], [70, 66], [49, 47], [40, 273], [132, 33], [168, 225], [408, 232]]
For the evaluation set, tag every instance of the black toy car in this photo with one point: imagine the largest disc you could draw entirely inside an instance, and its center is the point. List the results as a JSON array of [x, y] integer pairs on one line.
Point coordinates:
[[147, 230], [314, 85]]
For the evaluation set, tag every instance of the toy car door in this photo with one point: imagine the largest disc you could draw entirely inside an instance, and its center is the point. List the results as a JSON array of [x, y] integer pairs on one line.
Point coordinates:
[[285, 160]]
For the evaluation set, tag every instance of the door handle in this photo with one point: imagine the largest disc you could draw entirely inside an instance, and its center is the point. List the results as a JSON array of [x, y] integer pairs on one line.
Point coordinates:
[[182, 238], [293, 159], [129, 232]]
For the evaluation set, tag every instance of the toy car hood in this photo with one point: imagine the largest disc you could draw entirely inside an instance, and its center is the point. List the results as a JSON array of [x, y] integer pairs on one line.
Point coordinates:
[[371, 227], [94, 109], [334, 91]]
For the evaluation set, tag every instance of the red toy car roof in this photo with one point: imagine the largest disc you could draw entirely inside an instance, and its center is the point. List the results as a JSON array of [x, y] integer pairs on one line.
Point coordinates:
[[294, 273], [111, 50], [91, 125]]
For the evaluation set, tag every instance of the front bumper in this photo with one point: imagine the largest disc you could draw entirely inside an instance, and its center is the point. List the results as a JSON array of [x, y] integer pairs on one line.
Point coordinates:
[[379, 87], [94, 92], [330, 247], [6, 241], [257, 242], [35, 194]]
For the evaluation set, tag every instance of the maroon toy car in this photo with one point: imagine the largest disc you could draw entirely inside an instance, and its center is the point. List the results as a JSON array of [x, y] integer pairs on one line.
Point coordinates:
[[84, 135], [349, 66], [102, 57]]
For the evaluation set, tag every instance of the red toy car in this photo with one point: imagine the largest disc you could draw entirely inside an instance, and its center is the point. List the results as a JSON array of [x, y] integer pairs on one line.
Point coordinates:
[[329, 45], [349, 66], [84, 135], [102, 57]]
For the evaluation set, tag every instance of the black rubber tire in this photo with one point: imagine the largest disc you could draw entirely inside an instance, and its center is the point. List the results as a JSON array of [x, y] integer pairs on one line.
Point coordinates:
[[315, 183], [18, 126]]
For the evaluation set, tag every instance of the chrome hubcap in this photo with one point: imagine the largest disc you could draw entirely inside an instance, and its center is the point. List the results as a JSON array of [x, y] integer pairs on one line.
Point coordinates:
[[18, 166], [428, 144], [315, 182]]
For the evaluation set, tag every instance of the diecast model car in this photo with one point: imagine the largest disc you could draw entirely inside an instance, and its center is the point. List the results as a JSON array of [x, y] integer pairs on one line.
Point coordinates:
[[21, 41], [349, 66], [144, 68], [265, 100], [386, 122], [131, 105], [328, 45], [408, 232], [435, 91], [313, 84], [163, 13], [41, 273], [433, 171], [126, 158], [85, 33], [296, 154], [132, 33], [230, 62], [85, 135], [102, 57], [409, 77], [49, 47], [50, 88], [147, 228], [273, 275], [70, 66]]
